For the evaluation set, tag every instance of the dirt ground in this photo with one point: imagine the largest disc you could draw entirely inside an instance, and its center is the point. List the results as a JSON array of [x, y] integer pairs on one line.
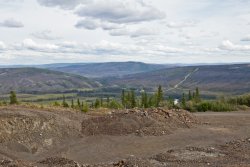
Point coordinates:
[[42, 138]]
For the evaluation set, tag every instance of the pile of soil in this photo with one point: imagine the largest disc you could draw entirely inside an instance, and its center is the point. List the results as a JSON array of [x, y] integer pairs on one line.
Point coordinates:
[[234, 153], [57, 162], [31, 131], [150, 122], [125, 138]]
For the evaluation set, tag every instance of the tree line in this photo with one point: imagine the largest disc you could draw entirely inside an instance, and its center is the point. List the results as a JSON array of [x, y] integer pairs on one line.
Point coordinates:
[[190, 101]]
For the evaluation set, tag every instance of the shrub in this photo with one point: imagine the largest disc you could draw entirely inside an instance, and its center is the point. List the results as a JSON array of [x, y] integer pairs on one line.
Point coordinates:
[[215, 106], [115, 105], [56, 104], [85, 107], [13, 98]]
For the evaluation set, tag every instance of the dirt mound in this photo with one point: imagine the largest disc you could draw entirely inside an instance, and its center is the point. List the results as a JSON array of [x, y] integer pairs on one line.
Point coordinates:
[[152, 122], [31, 131], [235, 153], [17, 163], [59, 162]]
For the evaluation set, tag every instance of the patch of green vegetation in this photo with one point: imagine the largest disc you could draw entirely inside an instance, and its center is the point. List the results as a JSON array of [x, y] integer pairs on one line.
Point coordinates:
[[133, 98]]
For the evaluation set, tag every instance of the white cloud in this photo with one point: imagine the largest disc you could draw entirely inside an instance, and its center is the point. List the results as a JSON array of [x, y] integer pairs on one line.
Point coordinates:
[[92, 24], [181, 24], [247, 38], [228, 45], [11, 23], [32, 45], [133, 33], [2, 45], [68, 44], [119, 11], [103, 47], [65, 4], [46, 34]]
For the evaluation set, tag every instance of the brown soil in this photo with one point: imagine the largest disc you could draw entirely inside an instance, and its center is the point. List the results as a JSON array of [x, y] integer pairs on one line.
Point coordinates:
[[38, 137], [151, 122]]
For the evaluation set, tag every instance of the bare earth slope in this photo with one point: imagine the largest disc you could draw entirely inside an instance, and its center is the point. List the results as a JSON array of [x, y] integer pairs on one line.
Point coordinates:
[[38, 137]]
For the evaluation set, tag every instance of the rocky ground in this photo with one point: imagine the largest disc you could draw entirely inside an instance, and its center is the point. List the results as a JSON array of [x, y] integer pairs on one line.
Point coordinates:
[[142, 138]]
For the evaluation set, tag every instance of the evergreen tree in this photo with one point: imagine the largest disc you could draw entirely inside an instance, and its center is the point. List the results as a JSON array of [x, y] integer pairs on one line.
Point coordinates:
[[123, 97], [189, 95], [151, 101], [85, 107], [170, 102], [72, 103], [159, 96], [183, 100], [97, 103], [193, 95], [108, 101], [128, 100], [133, 102], [101, 102], [13, 98], [78, 103], [64, 103], [197, 95], [144, 100]]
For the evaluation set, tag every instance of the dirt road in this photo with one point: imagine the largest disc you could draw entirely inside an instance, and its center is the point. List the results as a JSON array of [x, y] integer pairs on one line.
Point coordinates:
[[212, 142]]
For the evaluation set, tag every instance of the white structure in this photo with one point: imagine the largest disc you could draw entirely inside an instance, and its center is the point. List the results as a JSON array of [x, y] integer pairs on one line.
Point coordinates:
[[176, 101]]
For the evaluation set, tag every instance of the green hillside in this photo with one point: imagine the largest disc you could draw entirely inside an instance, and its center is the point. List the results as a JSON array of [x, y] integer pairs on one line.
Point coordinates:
[[228, 79], [33, 80]]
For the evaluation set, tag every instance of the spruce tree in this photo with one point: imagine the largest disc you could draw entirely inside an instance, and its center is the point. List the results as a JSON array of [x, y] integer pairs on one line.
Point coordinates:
[[151, 101], [193, 96], [108, 101], [189, 95], [72, 103], [78, 103], [85, 107], [144, 100], [128, 100], [159, 96], [97, 103], [133, 102], [13, 98], [183, 100], [101, 102], [64, 103], [197, 95], [123, 97]]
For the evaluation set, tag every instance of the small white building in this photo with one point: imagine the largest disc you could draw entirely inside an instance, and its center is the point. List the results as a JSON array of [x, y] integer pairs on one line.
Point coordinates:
[[176, 101]]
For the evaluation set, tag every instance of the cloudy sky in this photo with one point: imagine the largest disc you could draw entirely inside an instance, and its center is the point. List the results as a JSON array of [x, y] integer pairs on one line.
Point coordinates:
[[152, 31]]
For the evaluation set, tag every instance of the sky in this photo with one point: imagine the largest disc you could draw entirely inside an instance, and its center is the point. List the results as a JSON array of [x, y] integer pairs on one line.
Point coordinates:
[[151, 31]]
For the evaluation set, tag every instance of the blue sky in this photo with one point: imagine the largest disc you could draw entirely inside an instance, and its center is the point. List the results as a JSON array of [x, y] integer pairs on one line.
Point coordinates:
[[152, 31]]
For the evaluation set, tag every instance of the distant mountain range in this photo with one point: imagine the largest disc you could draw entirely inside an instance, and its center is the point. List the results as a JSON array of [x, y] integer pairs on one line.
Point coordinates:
[[34, 80], [211, 79], [97, 70]]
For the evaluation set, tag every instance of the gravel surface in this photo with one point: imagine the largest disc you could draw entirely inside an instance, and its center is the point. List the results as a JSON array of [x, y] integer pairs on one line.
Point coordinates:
[[130, 138]]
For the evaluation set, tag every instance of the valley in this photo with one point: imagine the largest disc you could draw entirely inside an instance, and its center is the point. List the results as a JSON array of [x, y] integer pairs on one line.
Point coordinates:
[[213, 80]]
